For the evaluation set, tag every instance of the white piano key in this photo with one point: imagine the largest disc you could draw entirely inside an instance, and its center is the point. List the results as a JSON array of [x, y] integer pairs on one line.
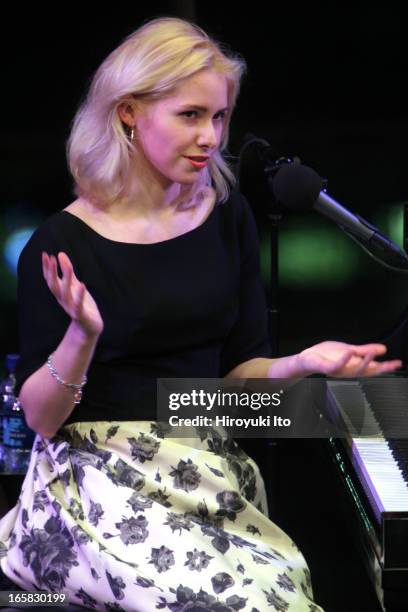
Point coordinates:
[[372, 455], [383, 473]]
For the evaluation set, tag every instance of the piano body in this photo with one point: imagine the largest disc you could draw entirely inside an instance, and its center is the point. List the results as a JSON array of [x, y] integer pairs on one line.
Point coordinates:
[[373, 465]]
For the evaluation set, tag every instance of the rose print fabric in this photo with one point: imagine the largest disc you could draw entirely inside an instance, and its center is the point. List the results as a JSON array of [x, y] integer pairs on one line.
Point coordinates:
[[121, 517]]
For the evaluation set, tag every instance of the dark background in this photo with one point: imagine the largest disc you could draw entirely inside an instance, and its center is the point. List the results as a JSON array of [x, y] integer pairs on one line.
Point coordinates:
[[324, 82]]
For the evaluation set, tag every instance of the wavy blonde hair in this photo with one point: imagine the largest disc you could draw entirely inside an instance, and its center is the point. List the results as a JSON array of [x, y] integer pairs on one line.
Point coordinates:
[[150, 64]]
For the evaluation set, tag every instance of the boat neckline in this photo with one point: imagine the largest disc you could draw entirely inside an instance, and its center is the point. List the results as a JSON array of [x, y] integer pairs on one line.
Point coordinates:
[[144, 244]]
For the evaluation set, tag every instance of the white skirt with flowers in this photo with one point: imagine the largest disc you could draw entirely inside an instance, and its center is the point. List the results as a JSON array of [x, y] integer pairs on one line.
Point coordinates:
[[120, 517]]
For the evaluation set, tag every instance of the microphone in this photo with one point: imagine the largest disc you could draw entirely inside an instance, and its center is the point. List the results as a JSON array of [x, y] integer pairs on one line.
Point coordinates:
[[299, 187]]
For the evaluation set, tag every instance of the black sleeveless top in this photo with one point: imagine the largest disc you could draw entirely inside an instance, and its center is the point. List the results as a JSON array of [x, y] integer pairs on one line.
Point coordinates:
[[192, 306]]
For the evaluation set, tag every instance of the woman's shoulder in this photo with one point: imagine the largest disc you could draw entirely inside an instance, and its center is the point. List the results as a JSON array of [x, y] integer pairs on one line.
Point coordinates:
[[78, 209], [55, 232]]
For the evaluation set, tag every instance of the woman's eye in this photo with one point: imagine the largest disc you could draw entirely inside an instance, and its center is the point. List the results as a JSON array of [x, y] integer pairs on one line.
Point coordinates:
[[190, 114]]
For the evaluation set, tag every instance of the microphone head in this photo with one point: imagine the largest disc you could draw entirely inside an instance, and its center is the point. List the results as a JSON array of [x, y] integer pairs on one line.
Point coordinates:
[[296, 186]]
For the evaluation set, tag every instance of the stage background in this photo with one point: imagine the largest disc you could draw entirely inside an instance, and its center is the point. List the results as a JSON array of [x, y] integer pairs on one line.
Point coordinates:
[[325, 83]]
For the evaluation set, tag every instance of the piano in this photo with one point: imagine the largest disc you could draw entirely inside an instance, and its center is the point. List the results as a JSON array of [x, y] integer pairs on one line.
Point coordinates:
[[372, 462]]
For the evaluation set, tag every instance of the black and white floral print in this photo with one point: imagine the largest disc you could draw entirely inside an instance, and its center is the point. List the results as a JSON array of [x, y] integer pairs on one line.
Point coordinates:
[[50, 553], [96, 512], [143, 448], [230, 502], [186, 475], [162, 558], [132, 530], [273, 599], [128, 476], [197, 560], [41, 499], [285, 582], [121, 517], [176, 522], [188, 600]]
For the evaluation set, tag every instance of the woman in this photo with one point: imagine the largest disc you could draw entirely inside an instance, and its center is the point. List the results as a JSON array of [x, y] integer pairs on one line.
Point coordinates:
[[159, 277]]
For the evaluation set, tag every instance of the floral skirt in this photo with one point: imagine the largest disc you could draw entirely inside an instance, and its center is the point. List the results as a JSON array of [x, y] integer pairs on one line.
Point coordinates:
[[119, 516]]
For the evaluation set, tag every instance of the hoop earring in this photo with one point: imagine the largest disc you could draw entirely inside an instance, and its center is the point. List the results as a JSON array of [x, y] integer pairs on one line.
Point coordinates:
[[132, 133]]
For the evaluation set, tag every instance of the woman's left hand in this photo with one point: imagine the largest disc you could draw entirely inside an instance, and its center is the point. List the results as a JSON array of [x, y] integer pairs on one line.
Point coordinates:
[[345, 360]]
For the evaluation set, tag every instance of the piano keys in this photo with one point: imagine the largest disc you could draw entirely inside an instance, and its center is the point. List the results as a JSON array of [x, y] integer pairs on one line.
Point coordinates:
[[373, 464]]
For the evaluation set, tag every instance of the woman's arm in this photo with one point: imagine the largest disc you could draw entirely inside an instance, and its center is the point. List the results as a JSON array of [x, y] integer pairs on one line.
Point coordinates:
[[330, 358], [261, 367], [46, 403]]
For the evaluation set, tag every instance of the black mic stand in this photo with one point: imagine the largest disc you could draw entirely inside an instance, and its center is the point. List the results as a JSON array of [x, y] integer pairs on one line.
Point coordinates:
[[274, 216], [267, 451], [271, 162]]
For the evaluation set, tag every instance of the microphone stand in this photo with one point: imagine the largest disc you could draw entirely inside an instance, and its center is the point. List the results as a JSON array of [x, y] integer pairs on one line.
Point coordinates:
[[274, 213], [274, 216], [273, 309]]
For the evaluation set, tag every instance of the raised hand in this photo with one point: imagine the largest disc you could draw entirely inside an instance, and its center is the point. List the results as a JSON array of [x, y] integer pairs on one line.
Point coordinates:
[[346, 360], [71, 294]]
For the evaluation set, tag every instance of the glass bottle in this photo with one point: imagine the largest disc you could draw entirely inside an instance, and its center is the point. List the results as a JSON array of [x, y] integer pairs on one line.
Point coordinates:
[[17, 436]]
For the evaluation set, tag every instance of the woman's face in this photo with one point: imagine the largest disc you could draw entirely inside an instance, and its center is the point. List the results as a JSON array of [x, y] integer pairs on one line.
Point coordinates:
[[188, 123]]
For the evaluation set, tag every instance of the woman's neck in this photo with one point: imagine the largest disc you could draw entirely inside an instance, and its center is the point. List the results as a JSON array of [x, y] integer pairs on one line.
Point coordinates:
[[139, 201]]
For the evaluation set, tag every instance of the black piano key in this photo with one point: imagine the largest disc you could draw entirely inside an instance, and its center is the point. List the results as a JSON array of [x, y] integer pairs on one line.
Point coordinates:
[[388, 399], [399, 450]]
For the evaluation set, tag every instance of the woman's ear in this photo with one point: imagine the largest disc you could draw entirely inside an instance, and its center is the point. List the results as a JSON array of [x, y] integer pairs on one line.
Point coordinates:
[[127, 114]]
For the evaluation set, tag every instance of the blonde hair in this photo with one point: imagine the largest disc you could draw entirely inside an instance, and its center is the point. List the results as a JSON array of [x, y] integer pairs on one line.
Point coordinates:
[[149, 64]]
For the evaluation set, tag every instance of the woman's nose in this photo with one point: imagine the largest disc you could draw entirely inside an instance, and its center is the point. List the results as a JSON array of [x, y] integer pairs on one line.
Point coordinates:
[[208, 136]]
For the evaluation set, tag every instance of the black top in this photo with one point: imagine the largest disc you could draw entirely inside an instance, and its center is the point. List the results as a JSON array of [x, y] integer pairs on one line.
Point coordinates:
[[192, 306]]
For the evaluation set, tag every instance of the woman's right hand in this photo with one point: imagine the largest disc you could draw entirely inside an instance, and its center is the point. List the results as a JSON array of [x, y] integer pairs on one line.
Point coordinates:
[[71, 294]]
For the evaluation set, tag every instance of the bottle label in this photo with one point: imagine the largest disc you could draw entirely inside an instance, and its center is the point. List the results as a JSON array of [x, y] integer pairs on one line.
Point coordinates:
[[16, 433]]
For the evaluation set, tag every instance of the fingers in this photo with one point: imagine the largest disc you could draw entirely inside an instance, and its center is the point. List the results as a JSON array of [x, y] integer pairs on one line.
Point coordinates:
[[368, 367], [67, 289], [64, 261], [390, 366], [66, 282], [71, 294], [364, 363], [359, 360], [374, 349], [51, 274], [375, 368], [334, 366], [352, 364]]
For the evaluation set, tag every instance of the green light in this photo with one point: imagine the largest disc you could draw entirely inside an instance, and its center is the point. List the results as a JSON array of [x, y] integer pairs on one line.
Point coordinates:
[[390, 220], [312, 257]]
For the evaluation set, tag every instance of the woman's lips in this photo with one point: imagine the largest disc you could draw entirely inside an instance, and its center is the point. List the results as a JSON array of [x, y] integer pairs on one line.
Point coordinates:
[[196, 163]]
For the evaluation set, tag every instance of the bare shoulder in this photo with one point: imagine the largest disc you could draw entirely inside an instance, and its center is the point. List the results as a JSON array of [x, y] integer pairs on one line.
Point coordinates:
[[90, 215], [77, 208], [144, 229]]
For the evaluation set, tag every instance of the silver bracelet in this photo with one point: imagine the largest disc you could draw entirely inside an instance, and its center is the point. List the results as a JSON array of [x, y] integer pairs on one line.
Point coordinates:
[[77, 388]]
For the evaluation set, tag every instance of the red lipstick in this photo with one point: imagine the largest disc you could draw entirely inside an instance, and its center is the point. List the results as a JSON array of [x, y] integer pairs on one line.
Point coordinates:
[[198, 161]]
